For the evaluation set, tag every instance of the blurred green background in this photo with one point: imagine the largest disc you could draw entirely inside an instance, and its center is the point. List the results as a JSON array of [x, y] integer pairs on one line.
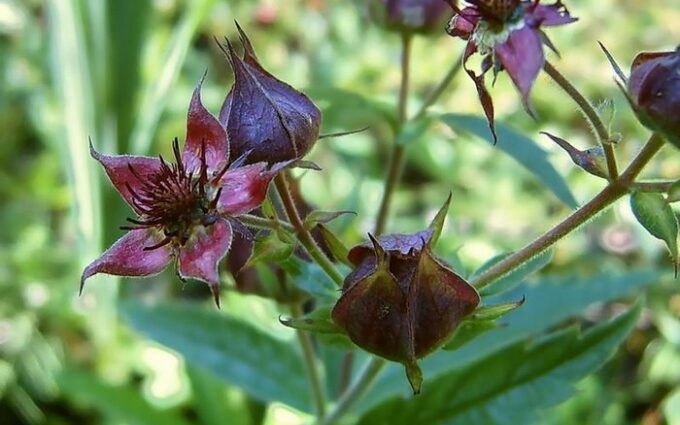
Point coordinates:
[[122, 72]]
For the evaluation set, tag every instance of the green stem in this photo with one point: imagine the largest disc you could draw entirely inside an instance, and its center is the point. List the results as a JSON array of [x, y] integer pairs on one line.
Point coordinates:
[[614, 190], [441, 87], [303, 235], [604, 139], [397, 157], [358, 388], [264, 223], [307, 345], [658, 187]]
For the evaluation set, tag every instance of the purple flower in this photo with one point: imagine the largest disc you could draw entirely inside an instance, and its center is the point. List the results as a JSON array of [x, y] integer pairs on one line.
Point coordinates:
[[401, 302], [266, 119], [184, 210], [411, 15], [508, 34], [654, 92]]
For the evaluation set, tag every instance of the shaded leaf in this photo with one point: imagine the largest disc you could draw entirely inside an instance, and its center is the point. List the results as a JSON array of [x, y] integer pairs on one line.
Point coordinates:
[[215, 400], [267, 368], [118, 403], [318, 320], [674, 192], [512, 385], [269, 248], [521, 148], [310, 278], [335, 245], [656, 215]]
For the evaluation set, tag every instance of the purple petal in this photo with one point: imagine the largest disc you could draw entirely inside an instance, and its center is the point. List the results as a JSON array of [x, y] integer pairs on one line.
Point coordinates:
[[522, 57], [244, 188], [464, 23], [127, 256], [199, 258], [123, 178], [549, 15], [204, 131]]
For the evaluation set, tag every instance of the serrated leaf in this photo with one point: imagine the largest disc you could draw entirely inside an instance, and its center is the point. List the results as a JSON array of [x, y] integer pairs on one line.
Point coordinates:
[[521, 148], [267, 368], [315, 217], [120, 404], [552, 299], [437, 223], [674, 192], [512, 385], [335, 245], [654, 214], [269, 249], [516, 276]]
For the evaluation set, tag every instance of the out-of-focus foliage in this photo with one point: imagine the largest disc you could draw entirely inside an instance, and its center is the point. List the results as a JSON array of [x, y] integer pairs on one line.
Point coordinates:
[[121, 72]]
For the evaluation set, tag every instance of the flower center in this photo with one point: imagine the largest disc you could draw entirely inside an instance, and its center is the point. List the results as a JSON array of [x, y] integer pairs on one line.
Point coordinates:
[[175, 200], [487, 35]]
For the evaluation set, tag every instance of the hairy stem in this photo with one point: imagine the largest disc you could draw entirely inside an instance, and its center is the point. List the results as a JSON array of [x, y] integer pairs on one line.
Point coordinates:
[[362, 383], [601, 131], [303, 235], [307, 345], [397, 156], [264, 223], [606, 197]]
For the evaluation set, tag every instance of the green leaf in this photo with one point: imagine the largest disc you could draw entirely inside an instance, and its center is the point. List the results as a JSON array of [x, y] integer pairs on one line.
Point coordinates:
[[267, 368], [269, 248], [310, 278], [516, 276], [154, 99], [120, 404], [468, 331], [335, 245], [549, 302], [479, 322], [521, 148], [317, 216], [674, 192], [318, 320], [512, 385], [657, 216], [346, 109], [437, 223], [215, 401]]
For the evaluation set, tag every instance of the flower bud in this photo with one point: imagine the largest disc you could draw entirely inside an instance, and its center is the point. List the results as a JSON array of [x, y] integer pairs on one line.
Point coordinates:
[[265, 118], [408, 16], [401, 302], [654, 92]]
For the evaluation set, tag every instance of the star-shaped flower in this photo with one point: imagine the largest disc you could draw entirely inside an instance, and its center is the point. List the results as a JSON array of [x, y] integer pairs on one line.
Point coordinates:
[[184, 210], [508, 34]]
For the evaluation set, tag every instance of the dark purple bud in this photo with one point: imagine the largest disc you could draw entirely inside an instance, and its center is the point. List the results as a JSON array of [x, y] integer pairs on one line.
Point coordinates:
[[401, 302], [654, 92], [265, 118], [411, 15]]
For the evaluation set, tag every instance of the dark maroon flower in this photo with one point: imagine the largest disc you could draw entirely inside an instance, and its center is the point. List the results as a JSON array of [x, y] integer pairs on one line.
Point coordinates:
[[184, 209], [411, 15], [654, 92], [266, 119], [508, 34], [401, 302]]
